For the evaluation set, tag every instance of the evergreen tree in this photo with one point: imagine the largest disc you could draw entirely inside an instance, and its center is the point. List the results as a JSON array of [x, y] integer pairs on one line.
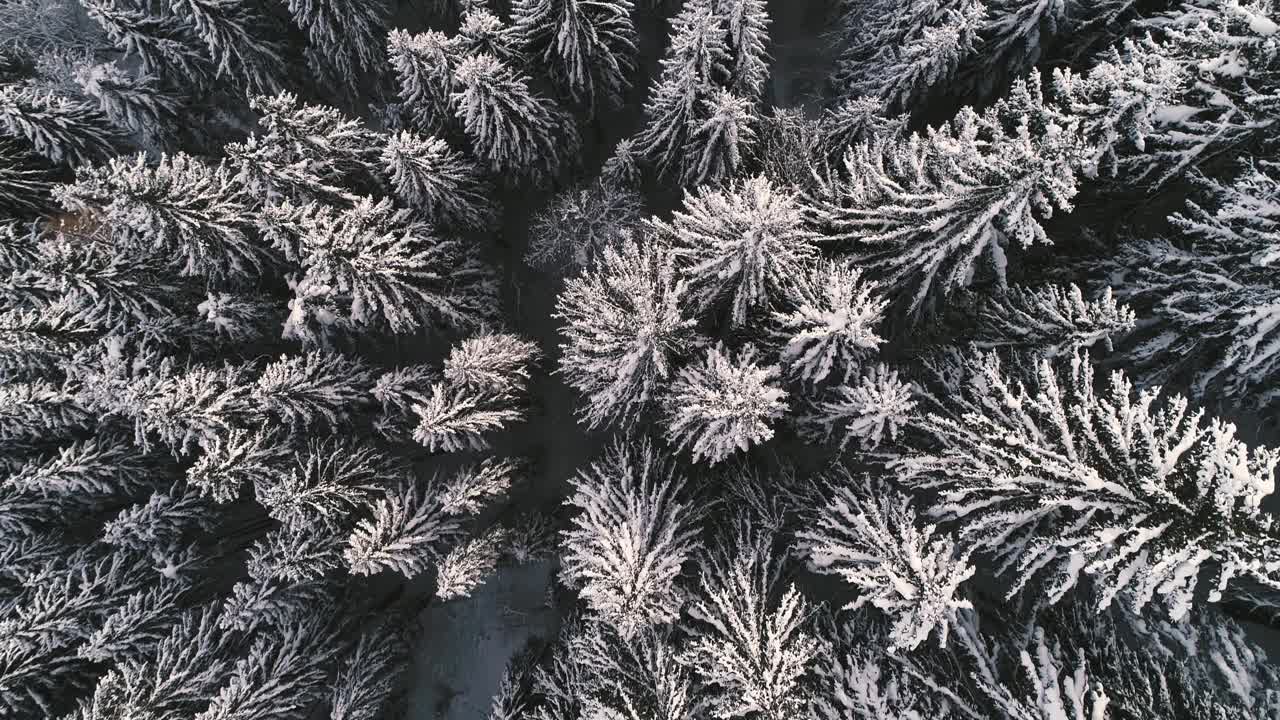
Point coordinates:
[[180, 206], [1225, 92], [589, 46], [345, 38], [370, 673], [624, 329], [440, 183], [900, 54], [723, 405], [1054, 480], [721, 139], [235, 36], [414, 523], [878, 404], [830, 326], [580, 224], [164, 44], [1051, 319], [468, 565], [626, 547], [281, 676], [1210, 302], [25, 179], [748, 643], [511, 128], [373, 265], [425, 65], [138, 104], [306, 152], [928, 213], [696, 60], [312, 388], [59, 128], [744, 243], [869, 535]]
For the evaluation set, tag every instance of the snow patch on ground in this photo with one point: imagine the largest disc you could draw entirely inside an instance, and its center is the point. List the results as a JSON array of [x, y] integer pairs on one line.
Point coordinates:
[[465, 644]]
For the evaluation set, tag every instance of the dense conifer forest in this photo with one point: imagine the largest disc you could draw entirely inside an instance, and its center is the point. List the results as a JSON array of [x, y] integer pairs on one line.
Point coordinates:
[[639, 359]]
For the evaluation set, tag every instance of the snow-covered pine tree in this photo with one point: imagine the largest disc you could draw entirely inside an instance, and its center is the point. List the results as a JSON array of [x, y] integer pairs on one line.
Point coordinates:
[[136, 627], [511, 128], [469, 564], [183, 410], [829, 324], [374, 266], [588, 46], [622, 168], [855, 678], [878, 404], [1062, 483], [744, 244], [748, 641], [424, 64], [442, 184], [928, 213], [405, 533], [163, 44], [747, 23], [870, 535], [174, 681], [485, 387], [724, 404], [580, 223], [497, 363], [1018, 676], [1226, 94], [39, 411], [306, 152], [237, 36], [697, 59], [628, 545], [25, 179], [852, 121], [345, 39], [453, 418], [180, 206], [369, 677], [1015, 35], [242, 318], [625, 327], [413, 524], [34, 343], [312, 389], [96, 284], [721, 139], [47, 489], [283, 675], [481, 32], [235, 459], [1213, 300], [39, 666], [623, 675], [1120, 100], [900, 54], [331, 478], [1154, 668], [138, 104], [1051, 319], [59, 128], [157, 525]]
